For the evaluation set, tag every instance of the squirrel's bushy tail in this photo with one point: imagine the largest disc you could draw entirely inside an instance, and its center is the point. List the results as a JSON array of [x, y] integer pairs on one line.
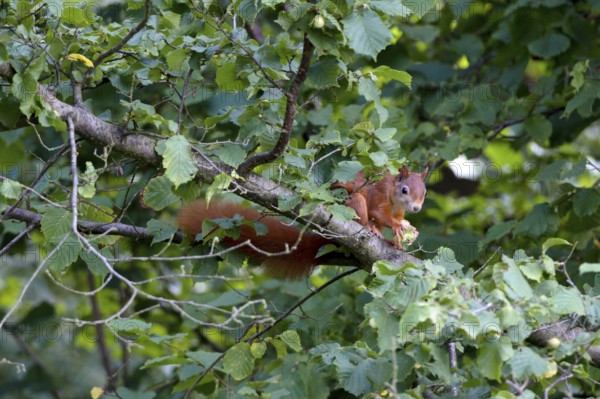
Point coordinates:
[[296, 264]]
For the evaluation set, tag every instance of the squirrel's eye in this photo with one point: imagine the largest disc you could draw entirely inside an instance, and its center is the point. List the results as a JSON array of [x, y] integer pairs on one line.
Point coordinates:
[[404, 190]]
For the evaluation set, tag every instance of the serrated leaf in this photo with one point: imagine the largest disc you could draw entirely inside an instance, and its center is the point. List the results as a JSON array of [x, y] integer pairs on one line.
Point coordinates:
[[179, 165], [538, 127], [258, 349], [158, 193], [368, 89], [586, 202], [491, 357], [94, 264], [390, 7], [10, 189], [176, 59], [230, 154], [366, 33], [342, 212], [347, 170], [567, 300], [238, 361], [74, 15], [56, 222], [386, 74], [65, 256], [526, 363], [160, 230], [541, 220], [516, 284], [292, 339], [323, 73], [420, 7]]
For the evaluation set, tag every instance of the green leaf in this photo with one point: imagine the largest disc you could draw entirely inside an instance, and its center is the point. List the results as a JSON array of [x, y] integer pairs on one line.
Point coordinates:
[[56, 222], [238, 361], [176, 59], [491, 357], [129, 327], [292, 339], [549, 46], [177, 160], [586, 202], [541, 220], [526, 363], [160, 230], [539, 128], [279, 346], [230, 154], [219, 184], [227, 78], [386, 74], [158, 193], [211, 121], [347, 170], [368, 89], [323, 73], [10, 189], [366, 33], [65, 256], [258, 349], [517, 285], [589, 268], [567, 301], [420, 7], [553, 242], [342, 212], [577, 73], [74, 15], [87, 188], [390, 7], [94, 264]]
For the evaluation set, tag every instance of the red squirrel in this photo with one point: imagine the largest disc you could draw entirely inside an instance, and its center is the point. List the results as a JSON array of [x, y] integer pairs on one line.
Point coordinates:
[[378, 205], [383, 204]]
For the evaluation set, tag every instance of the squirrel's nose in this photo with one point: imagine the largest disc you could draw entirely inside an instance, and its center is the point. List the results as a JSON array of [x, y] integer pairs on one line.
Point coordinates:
[[416, 208]]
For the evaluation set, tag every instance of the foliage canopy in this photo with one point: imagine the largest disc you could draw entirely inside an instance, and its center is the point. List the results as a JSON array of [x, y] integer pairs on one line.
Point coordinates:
[[113, 115]]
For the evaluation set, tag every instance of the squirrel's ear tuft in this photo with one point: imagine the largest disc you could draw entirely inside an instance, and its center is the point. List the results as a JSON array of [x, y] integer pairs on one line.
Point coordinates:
[[424, 173], [402, 173]]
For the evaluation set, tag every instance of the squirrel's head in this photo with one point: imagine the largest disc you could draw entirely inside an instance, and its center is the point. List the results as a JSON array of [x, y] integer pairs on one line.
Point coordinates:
[[410, 189]]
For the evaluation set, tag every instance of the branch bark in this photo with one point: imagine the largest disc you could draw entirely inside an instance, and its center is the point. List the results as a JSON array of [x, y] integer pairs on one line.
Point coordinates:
[[562, 331]]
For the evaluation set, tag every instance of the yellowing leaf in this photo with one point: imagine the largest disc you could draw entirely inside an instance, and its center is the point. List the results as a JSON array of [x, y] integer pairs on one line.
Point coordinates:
[[81, 58], [96, 392]]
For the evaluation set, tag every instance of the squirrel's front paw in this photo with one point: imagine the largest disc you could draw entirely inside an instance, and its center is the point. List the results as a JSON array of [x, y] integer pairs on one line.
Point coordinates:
[[405, 233], [375, 230]]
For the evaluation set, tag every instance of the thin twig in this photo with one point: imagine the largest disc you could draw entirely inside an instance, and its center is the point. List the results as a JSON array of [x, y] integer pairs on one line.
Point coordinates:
[[288, 121], [299, 303]]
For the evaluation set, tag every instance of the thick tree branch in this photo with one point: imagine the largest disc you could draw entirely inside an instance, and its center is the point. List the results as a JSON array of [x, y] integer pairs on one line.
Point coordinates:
[[565, 333], [288, 120]]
